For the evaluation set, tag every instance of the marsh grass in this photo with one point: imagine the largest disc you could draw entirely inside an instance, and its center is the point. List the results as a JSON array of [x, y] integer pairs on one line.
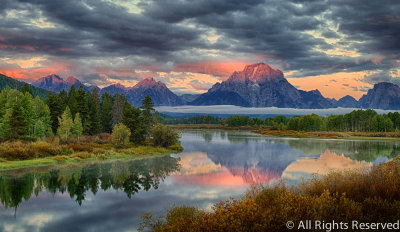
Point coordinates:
[[366, 196], [16, 154]]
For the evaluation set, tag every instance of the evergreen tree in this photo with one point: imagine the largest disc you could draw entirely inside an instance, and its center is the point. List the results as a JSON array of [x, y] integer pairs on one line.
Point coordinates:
[[72, 103], [42, 112], [94, 116], [77, 128], [26, 89], [118, 105], [64, 97], [147, 112], [105, 108], [66, 125], [82, 108], [56, 109], [17, 128], [134, 121]]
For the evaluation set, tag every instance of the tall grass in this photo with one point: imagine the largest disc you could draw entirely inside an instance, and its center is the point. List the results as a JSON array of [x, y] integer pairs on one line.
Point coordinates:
[[366, 196]]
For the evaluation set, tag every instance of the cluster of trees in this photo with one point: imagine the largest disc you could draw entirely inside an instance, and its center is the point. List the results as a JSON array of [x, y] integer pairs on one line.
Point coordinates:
[[79, 113], [22, 116], [355, 121], [200, 119], [76, 113]]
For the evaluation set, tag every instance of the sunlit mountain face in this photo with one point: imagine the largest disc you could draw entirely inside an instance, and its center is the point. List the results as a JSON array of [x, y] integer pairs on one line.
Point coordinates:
[[338, 47]]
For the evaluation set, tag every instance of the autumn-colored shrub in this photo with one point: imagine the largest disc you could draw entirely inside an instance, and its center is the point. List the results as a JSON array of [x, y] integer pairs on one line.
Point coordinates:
[[365, 196], [60, 158], [81, 147]]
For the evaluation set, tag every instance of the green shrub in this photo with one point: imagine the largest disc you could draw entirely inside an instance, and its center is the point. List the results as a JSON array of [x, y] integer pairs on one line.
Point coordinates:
[[120, 135], [164, 136]]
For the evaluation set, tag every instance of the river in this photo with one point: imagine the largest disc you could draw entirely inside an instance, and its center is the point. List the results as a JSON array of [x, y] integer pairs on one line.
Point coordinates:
[[215, 165]]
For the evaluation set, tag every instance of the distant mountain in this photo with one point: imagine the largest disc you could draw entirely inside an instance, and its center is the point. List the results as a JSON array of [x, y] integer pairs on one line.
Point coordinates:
[[56, 83], [13, 83], [115, 89], [384, 95], [186, 98], [259, 85], [157, 90], [348, 102]]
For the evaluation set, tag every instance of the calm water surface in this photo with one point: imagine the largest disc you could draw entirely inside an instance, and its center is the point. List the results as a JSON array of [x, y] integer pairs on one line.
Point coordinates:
[[110, 196]]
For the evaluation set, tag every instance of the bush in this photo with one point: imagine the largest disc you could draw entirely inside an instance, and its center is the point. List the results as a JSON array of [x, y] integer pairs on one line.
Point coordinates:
[[176, 147], [164, 136], [120, 135], [60, 158]]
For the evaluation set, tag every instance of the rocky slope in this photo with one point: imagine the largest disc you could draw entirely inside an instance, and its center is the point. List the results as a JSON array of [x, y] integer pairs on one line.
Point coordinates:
[[383, 95], [259, 85]]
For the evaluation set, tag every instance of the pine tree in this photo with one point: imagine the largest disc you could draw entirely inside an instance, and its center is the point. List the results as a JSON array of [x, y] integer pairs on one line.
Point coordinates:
[[64, 97], [94, 116], [72, 103], [105, 108], [77, 128], [42, 112], [118, 105], [17, 127], [134, 121], [82, 108], [147, 112], [26, 89], [56, 109], [66, 125]]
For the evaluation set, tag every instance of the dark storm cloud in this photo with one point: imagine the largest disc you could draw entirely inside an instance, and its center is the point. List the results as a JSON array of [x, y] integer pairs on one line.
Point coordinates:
[[374, 23], [176, 11], [166, 33], [95, 28], [382, 76]]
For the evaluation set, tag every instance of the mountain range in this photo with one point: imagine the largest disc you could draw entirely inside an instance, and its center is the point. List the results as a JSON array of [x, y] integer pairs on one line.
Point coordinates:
[[12, 83], [257, 85]]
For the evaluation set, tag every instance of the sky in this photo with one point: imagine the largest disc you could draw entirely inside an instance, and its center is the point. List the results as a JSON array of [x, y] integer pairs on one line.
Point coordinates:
[[339, 47]]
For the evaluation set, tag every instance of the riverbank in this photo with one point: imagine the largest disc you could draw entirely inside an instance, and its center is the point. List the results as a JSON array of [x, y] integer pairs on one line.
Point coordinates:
[[14, 155], [367, 196], [295, 134], [331, 134]]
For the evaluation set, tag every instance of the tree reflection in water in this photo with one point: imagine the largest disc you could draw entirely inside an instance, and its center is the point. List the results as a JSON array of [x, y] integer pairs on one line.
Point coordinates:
[[129, 176]]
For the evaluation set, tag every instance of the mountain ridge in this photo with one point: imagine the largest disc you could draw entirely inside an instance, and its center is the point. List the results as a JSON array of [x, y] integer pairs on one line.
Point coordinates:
[[257, 85]]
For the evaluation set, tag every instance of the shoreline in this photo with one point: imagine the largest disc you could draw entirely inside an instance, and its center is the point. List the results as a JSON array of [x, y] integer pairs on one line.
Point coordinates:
[[134, 153], [296, 134]]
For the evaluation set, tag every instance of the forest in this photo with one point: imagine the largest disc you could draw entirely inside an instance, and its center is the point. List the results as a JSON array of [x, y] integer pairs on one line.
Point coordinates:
[[355, 121], [77, 121]]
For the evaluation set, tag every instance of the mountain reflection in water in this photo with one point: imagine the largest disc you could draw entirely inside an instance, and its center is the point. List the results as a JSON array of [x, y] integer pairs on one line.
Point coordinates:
[[215, 165]]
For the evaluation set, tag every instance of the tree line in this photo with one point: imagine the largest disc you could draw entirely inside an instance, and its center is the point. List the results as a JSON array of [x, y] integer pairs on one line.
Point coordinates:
[[75, 113], [355, 121]]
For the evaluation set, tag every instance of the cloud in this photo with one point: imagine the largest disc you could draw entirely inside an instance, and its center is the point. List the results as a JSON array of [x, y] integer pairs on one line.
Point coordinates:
[[303, 38]]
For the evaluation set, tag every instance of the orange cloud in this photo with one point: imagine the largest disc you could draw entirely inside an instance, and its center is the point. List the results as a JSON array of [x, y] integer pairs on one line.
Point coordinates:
[[221, 69]]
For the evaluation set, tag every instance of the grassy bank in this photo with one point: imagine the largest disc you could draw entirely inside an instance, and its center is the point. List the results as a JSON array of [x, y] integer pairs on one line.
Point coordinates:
[[209, 126], [292, 133], [19, 154], [329, 134], [365, 196]]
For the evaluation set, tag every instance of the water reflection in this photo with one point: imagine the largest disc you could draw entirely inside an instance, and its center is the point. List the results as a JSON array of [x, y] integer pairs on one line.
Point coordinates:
[[243, 158], [214, 166], [127, 176]]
